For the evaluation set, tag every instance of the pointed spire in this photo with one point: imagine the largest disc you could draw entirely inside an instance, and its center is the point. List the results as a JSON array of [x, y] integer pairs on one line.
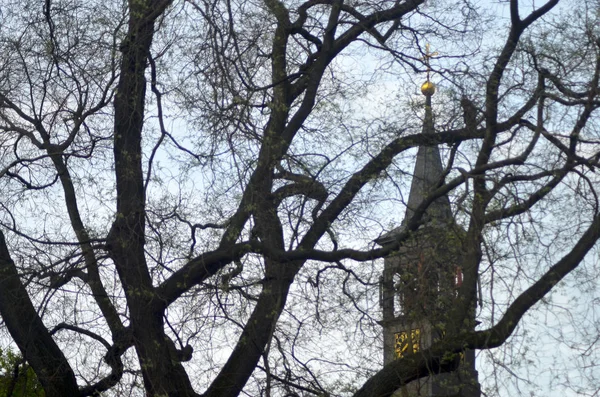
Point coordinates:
[[427, 173], [428, 170]]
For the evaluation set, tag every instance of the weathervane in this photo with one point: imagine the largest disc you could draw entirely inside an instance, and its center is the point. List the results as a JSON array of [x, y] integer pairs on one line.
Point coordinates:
[[428, 88]]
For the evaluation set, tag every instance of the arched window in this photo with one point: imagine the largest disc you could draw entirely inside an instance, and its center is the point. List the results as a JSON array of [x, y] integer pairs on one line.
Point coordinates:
[[399, 295], [458, 277]]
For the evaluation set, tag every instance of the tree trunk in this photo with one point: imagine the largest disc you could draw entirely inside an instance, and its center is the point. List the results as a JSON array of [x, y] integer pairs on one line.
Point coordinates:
[[30, 333]]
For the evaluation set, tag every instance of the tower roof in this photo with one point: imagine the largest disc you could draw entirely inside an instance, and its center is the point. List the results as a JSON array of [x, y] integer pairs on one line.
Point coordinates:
[[427, 174]]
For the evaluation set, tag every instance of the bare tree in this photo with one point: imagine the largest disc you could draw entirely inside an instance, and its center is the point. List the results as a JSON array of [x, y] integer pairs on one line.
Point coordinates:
[[191, 189]]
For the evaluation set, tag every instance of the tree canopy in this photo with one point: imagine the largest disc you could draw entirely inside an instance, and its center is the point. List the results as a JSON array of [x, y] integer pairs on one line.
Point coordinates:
[[191, 190]]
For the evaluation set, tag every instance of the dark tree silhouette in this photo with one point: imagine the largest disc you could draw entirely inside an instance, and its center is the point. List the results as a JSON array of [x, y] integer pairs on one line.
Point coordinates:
[[191, 188]]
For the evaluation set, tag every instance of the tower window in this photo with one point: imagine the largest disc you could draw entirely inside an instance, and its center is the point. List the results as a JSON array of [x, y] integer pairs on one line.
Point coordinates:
[[458, 277], [399, 295]]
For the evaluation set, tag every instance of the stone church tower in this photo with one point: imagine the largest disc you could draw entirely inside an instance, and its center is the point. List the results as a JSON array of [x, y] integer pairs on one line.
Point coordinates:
[[420, 280]]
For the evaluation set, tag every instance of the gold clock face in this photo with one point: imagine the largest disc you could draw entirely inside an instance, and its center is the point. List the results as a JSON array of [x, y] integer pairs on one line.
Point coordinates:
[[407, 342]]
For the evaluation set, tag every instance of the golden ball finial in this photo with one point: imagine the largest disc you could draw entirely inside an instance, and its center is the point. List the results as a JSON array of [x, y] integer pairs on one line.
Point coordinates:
[[428, 88]]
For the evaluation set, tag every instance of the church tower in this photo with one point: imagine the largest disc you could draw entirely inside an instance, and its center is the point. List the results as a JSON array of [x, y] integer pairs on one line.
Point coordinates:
[[420, 281]]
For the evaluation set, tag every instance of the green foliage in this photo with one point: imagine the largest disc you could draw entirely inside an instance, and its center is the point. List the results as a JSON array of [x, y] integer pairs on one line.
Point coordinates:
[[26, 383]]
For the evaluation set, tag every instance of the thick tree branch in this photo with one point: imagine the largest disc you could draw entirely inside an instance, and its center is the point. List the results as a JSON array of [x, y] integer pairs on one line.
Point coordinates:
[[30, 334]]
